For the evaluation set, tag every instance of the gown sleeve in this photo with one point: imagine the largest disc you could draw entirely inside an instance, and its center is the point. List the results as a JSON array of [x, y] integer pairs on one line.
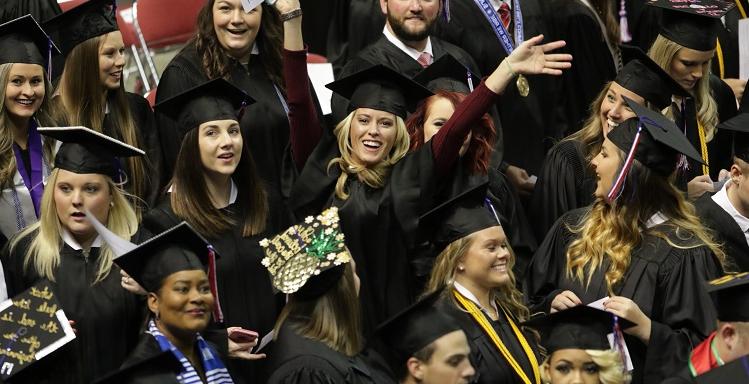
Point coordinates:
[[305, 126], [686, 315]]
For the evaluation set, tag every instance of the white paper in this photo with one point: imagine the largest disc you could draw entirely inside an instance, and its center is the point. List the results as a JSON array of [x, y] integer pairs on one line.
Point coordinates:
[[319, 75], [744, 49], [533, 179], [69, 335], [249, 5], [264, 341], [598, 304], [118, 245]]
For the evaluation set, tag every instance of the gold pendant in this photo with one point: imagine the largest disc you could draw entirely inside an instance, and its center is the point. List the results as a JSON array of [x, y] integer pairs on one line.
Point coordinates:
[[523, 87]]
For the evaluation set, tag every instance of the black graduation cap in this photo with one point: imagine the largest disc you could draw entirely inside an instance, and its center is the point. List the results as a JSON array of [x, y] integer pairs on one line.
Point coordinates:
[[462, 215], [309, 258], [447, 74], [88, 20], [646, 78], [660, 141], [736, 371], [177, 249], [23, 41], [381, 88], [217, 99], [414, 328], [693, 24], [740, 125], [579, 327], [730, 296], [84, 150], [162, 366]]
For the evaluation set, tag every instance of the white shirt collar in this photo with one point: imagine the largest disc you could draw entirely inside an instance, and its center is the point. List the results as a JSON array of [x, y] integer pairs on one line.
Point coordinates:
[[403, 47], [70, 241], [721, 198], [470, 296], [657, 219], [233, 192]]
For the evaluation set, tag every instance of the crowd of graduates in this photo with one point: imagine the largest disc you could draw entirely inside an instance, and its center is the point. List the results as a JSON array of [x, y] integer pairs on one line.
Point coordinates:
[[506, 191]]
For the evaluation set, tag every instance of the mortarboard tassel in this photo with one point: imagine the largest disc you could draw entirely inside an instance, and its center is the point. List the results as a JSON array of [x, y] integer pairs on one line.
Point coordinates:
[[619, 343], [49, 60], [624, 35], [491, 208], [470, 81], [445, 10], [616, 189], [218, 314]]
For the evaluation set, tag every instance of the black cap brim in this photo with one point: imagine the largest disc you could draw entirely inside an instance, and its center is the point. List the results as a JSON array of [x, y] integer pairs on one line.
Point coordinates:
[[23, 41], [447, 74], [86, 21], [694, 24], [646, 78]]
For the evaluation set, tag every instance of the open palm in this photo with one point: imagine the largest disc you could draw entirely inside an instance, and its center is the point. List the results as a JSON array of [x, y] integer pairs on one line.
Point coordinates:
[[531, 58]]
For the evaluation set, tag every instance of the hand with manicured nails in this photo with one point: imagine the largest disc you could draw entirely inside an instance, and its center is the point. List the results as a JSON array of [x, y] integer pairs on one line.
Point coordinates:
[[628, 309]]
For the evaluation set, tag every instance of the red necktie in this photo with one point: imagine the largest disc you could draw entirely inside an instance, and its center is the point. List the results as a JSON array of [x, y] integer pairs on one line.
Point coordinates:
[[425, 59], [505, 14]]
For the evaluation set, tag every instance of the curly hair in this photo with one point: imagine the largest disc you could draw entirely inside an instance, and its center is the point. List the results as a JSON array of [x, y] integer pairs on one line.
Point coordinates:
[[373, 176], [613, 230], [483, 134], [217, 63], [609, 365]]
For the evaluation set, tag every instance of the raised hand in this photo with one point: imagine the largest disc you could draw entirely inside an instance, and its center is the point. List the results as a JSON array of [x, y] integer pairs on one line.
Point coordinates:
[[530, 58], [286, 6]]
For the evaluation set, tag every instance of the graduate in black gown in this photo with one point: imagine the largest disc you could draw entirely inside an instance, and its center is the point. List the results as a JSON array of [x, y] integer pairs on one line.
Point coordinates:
[[684, 48], [217, 189], [41, 9], [577, 346], [526, 122], [318, 334], [174, 269], [567, 180], [90, 92], [725, 212], [639, 246], [474, 268], [63, 248], [252, 64], [726, 62], [354, 24]]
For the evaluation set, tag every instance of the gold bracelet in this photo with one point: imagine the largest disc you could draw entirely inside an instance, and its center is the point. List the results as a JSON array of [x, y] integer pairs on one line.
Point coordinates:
[[291, 15]]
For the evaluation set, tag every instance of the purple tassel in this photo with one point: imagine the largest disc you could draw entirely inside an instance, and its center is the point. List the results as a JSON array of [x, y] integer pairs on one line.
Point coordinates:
[[624, 34]]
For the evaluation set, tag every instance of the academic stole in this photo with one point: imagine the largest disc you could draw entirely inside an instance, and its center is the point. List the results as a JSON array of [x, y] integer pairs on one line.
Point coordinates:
[[475, 312]]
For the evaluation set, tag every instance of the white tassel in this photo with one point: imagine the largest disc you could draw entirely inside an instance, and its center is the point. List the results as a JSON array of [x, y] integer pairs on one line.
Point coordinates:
[[624, 35]]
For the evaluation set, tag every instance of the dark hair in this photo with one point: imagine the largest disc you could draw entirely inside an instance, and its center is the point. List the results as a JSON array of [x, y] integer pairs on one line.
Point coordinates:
[[191, 202], [482, 140], [424, 355], [217, 63]]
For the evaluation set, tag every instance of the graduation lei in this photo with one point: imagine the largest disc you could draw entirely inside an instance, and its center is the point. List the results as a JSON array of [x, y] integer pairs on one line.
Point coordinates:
[[475, 312]]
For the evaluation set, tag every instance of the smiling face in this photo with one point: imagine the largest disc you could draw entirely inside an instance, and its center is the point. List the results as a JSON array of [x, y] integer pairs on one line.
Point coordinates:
[[74, 194], [486, 264], [449, 363], [438, 113], [410, 20], [688, 66], [236, 30], [572, 366], [614, 110], [24, 91], [372, 135], [111, 59], [606, 164], [184, 303], [220, 144]]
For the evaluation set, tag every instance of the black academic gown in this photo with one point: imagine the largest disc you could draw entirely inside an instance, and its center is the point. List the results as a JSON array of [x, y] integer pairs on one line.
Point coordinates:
[[42, 10], [354, 24], [264, 124], [379, 223], [593, 66], [490, 365], [682, 377], [728, 37], [107, 317], [148, 139], [566, 182], [244, 288], [526, 122], [719, 149], [667, 283], [726, 231], [295, 359]]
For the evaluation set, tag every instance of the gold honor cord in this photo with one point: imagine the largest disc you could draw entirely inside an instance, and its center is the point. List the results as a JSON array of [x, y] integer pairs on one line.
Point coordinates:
[[481, 320], [703, 148], [741, 9], [719, 55]]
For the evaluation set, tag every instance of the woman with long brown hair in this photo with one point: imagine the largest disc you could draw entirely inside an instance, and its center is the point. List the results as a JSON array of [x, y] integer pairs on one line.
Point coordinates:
[[25, 157], [639, 248], [244, 48], [90, 93], [475, 264]]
